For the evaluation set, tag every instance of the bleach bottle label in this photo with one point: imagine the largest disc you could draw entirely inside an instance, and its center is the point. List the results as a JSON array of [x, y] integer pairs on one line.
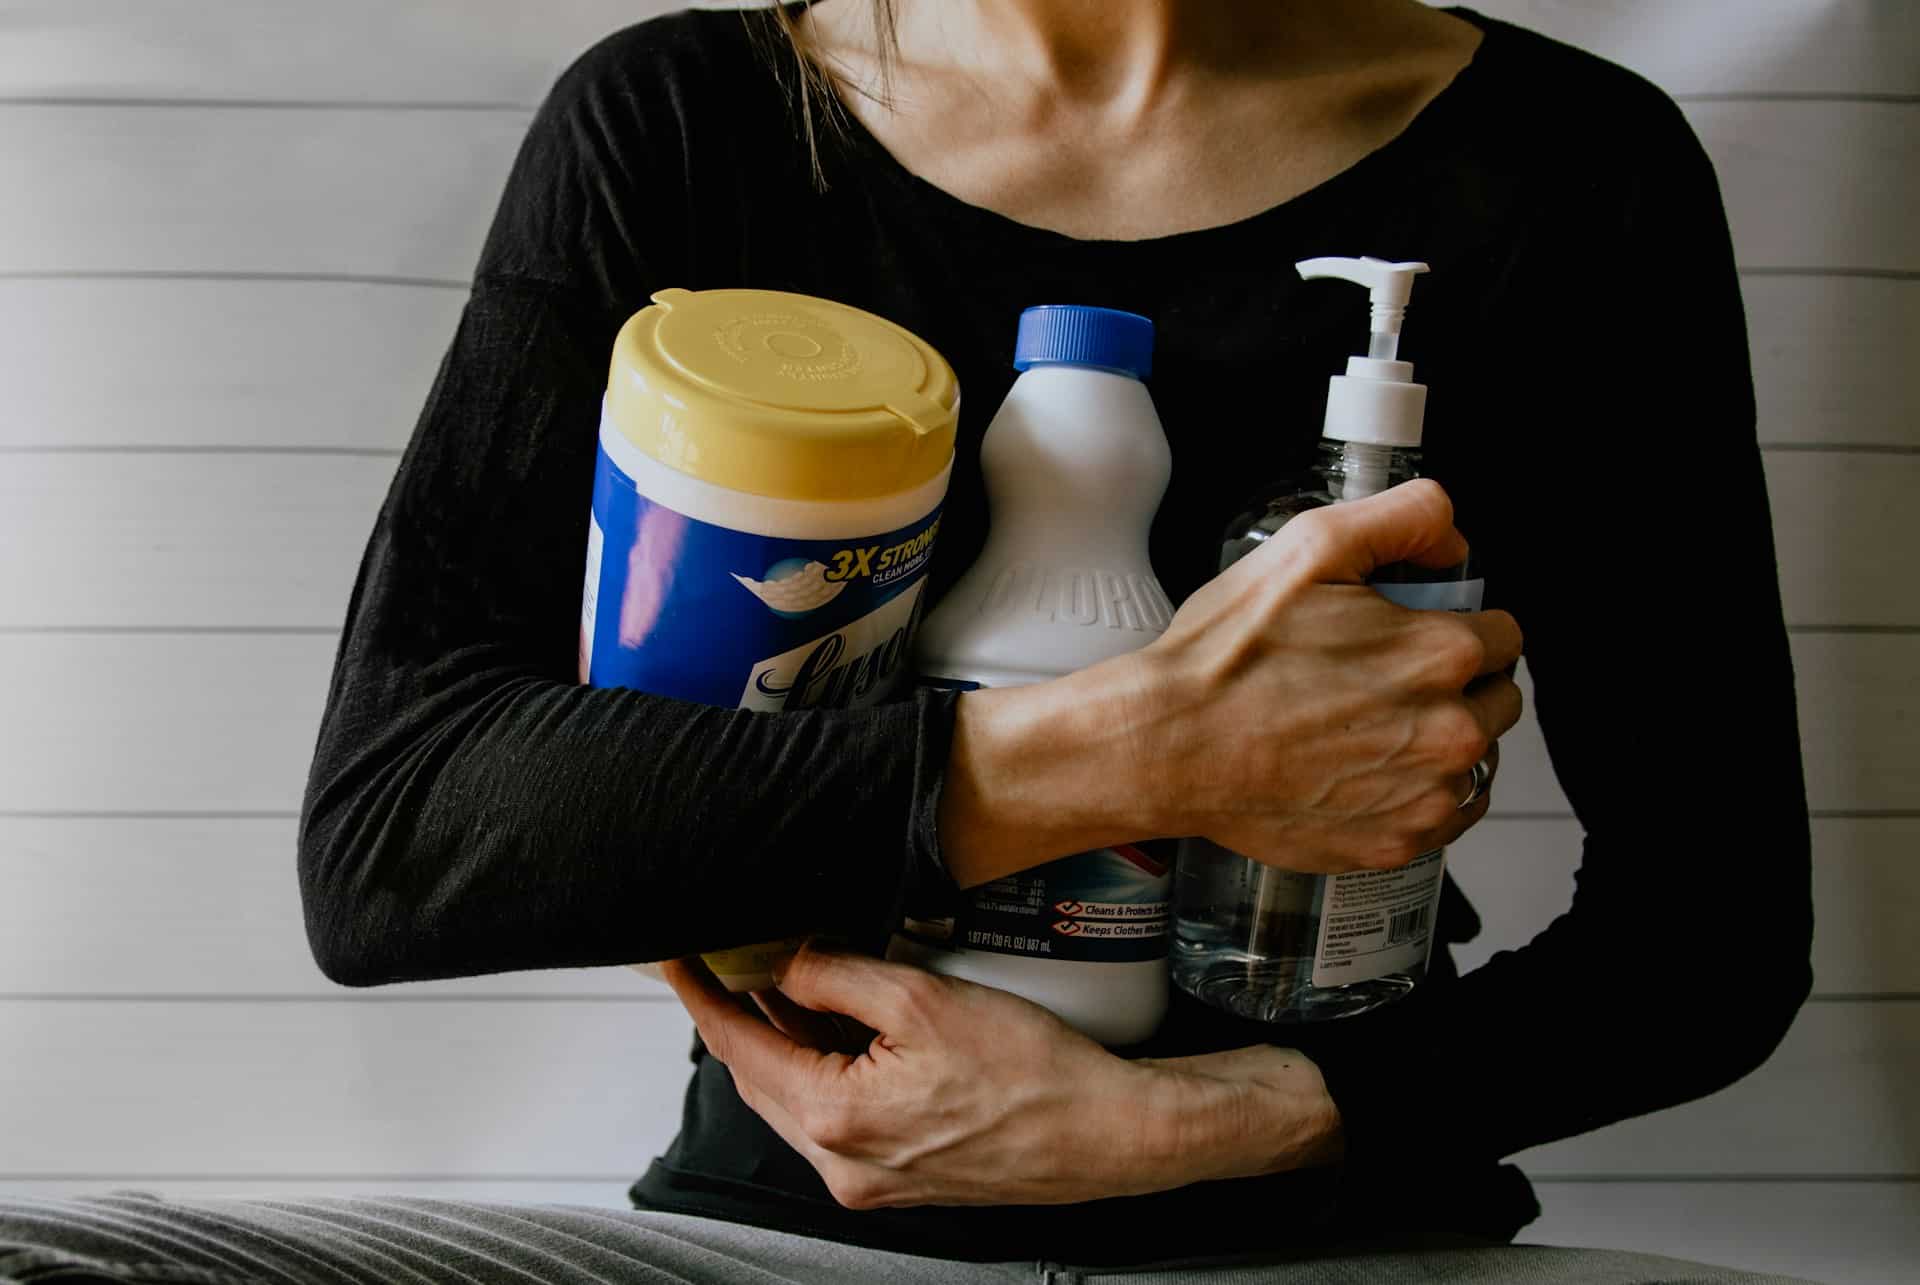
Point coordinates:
[[1109, 905]]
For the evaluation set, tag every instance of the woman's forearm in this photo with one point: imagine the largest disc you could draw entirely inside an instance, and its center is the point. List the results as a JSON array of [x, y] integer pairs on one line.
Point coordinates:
[[1287, 713], [1238, 1114], [968, 1095]]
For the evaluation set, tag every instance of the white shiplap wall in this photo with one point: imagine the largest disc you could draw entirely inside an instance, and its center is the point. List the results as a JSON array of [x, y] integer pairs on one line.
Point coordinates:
[[262, 210]]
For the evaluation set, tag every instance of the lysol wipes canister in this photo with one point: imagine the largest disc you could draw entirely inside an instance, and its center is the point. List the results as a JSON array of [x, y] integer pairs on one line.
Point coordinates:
[[765, 503]]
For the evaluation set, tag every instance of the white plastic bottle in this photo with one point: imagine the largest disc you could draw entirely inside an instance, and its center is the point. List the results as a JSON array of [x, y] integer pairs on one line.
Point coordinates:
[[1075, 464]]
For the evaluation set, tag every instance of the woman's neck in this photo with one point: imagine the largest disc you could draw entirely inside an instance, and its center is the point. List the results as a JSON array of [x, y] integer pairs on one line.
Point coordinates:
[[1131, 51], [1134, 118], [1114, 53]]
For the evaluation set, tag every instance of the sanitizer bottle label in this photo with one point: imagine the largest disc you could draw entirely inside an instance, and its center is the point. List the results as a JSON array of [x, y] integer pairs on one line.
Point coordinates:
[[706, 613], [1375, 923]]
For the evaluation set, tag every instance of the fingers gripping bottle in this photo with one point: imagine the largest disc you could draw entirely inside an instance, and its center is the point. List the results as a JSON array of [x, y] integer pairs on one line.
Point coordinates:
[[1075, 464], [1273, 944], [765, 502]]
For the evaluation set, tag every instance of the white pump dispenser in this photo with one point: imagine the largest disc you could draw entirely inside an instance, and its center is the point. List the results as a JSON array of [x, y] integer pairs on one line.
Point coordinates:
[[1376, 401]]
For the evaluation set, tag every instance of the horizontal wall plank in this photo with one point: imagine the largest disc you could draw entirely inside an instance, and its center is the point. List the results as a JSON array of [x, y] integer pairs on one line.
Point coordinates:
[[1771, 46], [409, 193], [1859, 698], [186, 906], [261, 541], [173, 362], [1859, 714], [1846, 530], [181, 723], [367, 193], [167, 723], [273, 541], [607, 1193], [417, 51], [187, 363], [1837, 1097], [1817, 184], [1866, 894], [563, 1087], [1830, 358], [1842, 1233], [447, 1089], [333, 364]]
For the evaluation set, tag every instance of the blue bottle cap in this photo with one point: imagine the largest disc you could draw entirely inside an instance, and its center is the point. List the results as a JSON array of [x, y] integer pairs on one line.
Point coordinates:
[[1070, 335]]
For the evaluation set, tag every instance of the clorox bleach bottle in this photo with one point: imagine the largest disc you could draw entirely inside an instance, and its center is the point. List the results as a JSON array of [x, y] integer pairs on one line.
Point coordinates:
[[765, 503], [1075, 463]]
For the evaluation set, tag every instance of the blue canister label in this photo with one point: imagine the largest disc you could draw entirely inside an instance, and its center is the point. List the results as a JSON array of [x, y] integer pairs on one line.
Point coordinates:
[[685, 608]]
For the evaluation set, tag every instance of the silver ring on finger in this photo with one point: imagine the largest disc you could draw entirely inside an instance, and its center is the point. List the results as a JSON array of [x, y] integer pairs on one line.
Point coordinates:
[[1480, 778]]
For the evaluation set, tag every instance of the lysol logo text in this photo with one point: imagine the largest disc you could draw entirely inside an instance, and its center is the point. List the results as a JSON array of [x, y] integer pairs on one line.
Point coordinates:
[[851, 666]]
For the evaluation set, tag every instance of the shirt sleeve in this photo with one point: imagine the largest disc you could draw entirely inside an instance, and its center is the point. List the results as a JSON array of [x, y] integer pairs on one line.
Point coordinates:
[[470, 807], [1636, 552]]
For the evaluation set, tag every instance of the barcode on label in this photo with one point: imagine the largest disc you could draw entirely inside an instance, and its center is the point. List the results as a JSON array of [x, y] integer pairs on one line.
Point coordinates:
[[1407, 924]]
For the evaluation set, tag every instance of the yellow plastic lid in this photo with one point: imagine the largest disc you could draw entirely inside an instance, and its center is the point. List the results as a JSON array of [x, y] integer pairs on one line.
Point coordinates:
[[782, 395]]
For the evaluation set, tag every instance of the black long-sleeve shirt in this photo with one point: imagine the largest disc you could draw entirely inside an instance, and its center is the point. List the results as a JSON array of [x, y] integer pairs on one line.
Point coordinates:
[[473, 809]]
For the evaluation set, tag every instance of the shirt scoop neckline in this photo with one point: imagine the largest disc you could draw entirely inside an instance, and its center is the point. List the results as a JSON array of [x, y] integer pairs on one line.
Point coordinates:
[[1431, 121]]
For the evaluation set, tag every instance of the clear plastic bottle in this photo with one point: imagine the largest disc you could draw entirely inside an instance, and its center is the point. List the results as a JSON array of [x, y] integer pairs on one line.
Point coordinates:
[[1276, 945], [1075, 464]]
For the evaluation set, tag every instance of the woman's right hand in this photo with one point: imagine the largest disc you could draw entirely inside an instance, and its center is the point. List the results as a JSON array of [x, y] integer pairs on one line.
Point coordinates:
[[1289, 713], [1299, 718]]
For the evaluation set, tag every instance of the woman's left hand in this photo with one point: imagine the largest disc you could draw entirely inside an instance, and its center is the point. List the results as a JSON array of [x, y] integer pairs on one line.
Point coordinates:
[[966, 1095]]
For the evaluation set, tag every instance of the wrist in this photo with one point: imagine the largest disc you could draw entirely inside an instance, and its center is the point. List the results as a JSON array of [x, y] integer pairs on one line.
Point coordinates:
[[1045, 770]]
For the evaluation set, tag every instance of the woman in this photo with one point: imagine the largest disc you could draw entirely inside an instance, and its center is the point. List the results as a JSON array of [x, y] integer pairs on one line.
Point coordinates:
[[472, 810]]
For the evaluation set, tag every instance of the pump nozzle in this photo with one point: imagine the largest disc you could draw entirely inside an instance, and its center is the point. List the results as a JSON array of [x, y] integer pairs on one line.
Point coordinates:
[[1376, 400], [1389, 285]]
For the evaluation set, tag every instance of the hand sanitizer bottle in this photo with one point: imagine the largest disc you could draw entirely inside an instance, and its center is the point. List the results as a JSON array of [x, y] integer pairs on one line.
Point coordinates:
[[1272, 944], [1075, 463]]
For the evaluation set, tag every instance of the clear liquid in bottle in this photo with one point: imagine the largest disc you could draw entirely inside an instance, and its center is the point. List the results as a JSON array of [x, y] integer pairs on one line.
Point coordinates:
[[1277, 945]]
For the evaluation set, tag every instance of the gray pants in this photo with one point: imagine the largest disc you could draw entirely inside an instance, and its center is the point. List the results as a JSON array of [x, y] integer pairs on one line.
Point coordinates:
[[133, 1237]]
